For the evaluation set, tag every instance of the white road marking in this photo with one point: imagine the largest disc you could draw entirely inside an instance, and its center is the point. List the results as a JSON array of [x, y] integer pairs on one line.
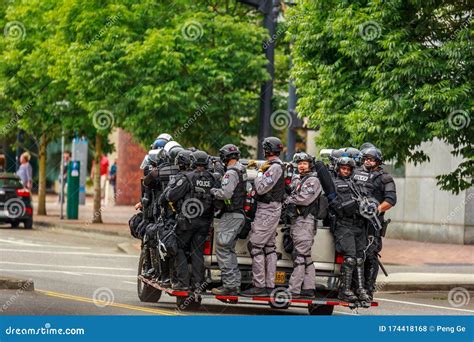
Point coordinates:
[[129, 282], [65, 272], [69, 267], [32, 244], [67, 253], [425, 305]]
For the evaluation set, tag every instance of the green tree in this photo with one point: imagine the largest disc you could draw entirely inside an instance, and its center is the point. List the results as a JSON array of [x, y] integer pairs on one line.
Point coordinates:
[[396, 73], [28, 94]]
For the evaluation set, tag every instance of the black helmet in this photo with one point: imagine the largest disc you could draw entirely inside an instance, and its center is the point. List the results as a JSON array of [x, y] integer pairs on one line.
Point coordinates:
[[335, 155], [183, 159], [345, 161], [272, 146], [174, 153], [228, 152], [303, 156], [365, 146], [199, 158], [374, 153], [352, 152]]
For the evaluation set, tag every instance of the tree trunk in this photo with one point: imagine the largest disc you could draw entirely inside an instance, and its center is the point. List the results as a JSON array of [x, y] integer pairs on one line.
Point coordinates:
[[97, 214], [42, 175]]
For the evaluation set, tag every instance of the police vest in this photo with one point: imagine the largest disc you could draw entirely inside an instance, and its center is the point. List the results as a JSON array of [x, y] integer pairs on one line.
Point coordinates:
[[348, 206], [370, 182], [237, 200], [313, 207], [165, 171], [201, 183], [277, 193]]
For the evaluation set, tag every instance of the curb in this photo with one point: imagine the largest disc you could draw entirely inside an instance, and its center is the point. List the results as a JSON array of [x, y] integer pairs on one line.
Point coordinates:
[[128, 248], [80, 228], [7, 283], [407, 281]]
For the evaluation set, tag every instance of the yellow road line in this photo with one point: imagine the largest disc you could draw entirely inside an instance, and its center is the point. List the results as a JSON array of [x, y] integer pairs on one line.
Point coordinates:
[[116, 305]]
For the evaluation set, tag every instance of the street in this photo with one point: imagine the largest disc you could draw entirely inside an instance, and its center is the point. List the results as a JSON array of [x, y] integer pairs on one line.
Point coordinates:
[[81, 273]]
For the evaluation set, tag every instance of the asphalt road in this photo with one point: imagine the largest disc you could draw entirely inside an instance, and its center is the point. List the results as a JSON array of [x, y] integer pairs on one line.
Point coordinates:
[[77, 273]]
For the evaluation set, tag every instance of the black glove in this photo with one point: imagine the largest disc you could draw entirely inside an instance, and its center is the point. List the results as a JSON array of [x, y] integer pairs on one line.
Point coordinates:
[[336, 206]]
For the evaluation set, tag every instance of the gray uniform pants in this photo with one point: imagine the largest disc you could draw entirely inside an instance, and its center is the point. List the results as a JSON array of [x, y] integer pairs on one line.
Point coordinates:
[[262, 245], [229, 227], [303, 276]]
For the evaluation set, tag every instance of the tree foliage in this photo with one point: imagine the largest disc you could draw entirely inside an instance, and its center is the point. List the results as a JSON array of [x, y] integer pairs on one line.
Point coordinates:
[[396, 73]]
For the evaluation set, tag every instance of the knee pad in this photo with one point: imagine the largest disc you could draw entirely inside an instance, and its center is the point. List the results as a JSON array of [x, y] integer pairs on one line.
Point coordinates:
[[350, 261], [269, 249], [308, 260], [254, 250]]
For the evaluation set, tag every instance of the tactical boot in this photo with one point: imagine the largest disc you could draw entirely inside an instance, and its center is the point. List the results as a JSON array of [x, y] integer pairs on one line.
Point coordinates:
[[307, 293], [225, 291], [255, 292], [345, 292], [361, 291]]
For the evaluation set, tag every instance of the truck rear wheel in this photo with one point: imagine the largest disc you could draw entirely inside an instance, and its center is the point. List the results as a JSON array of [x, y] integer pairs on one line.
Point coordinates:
[[146, 293], [320, 310]]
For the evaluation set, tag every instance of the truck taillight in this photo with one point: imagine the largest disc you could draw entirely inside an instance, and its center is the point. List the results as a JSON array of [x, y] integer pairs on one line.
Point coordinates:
[[339, 258], [23, 192], [208, 244], [29, 211]]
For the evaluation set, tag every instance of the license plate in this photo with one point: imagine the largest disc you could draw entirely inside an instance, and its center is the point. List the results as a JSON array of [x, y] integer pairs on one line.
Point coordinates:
[[280, 278], [4, 213]]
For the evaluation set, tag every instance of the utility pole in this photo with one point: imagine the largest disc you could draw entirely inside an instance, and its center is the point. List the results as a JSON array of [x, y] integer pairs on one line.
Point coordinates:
[[270, 10]]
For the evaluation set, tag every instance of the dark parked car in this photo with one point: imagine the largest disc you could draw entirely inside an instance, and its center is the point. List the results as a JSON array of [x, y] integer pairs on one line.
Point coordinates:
[[15, 202]]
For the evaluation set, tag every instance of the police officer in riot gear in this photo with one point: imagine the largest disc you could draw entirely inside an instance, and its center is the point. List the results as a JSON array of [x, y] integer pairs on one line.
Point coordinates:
[[232, 192], [158, 178], [304, 197], [379, 185], [191, 193], [349, 234], [270, 189]]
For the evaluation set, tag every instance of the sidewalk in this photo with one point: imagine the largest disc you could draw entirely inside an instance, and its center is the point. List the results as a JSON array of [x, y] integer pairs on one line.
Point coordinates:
[[115, 218]]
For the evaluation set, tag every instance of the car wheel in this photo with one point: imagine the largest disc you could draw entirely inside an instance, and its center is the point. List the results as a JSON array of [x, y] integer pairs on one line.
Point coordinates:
[[28, 224], [146, 293]]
